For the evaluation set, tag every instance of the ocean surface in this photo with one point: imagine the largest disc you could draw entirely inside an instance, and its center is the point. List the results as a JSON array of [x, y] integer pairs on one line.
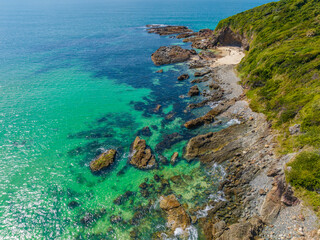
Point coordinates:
[[76, 79]]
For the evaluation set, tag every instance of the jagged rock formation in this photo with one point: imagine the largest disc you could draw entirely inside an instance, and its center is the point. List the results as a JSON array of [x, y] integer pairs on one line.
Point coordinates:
[[141, 156]]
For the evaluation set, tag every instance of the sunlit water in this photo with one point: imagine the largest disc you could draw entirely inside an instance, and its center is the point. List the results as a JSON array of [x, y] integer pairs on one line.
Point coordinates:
[[76, 79]]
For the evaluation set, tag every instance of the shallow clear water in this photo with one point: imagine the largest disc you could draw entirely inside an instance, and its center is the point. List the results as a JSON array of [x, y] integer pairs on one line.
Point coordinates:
[[76, 78]]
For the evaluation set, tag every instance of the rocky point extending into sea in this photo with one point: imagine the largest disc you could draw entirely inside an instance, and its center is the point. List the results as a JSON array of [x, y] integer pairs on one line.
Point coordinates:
[[258, 203]]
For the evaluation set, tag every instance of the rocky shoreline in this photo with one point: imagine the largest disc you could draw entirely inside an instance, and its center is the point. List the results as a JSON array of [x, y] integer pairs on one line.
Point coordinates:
[[256, 195]]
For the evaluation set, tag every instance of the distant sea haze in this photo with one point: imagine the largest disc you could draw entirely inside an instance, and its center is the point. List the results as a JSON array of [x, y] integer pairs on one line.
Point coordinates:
[[76, 79]]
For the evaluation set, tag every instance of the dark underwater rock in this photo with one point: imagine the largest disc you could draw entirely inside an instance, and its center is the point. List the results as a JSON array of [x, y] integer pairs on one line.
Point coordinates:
[[123, 198], [73, 204], [168, 141], [145, 132]]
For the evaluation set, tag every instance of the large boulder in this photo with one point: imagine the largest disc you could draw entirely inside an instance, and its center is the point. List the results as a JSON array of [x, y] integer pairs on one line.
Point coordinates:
[[103, 161], [177, 216], [141, 156], [172, 54], [194, 91]]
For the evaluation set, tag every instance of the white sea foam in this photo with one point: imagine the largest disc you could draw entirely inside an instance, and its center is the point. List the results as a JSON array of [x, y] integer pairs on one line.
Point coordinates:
[[204, 212], [217, 197], [233, 122]]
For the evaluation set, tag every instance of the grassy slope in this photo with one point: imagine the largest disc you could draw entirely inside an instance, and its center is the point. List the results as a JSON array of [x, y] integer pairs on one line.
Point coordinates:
[[282, 71]]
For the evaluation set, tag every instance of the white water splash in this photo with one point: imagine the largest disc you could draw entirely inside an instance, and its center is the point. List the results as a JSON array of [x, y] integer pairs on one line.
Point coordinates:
[[217, 197], [217, 170], [204, 212], [190, 231], [233, 122]]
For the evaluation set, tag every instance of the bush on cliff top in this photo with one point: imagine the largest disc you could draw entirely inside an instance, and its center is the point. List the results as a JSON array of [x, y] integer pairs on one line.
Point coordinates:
[[282, 71]]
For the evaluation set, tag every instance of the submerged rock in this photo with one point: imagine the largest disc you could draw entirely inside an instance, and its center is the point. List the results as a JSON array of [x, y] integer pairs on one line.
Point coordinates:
[[141, 156], [145, 132], [194, 91], [177, 216], [168, 141], [73, 204], [123, 198], [103, 161], [173, 54]]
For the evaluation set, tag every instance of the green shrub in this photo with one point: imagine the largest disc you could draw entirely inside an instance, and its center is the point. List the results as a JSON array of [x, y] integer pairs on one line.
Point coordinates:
[[305, 171]]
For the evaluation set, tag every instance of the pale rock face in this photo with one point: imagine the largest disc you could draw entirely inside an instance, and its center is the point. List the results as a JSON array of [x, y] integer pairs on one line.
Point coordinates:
[[177, 218]]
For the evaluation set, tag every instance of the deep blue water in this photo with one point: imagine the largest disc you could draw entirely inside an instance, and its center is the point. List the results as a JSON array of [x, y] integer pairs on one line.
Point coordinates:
[[76, 77]]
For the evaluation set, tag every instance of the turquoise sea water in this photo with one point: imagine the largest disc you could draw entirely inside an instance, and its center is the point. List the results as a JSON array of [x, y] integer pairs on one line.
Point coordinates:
[[76, 79]]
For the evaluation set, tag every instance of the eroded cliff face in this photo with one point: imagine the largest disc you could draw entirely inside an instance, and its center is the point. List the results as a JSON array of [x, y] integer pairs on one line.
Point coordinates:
[[206, 39]]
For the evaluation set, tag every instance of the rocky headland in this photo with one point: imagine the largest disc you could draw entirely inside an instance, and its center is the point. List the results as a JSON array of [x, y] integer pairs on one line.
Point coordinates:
[[258, 202]]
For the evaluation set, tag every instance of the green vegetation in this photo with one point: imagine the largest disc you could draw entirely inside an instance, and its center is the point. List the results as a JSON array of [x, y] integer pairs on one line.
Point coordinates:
[[282, 71], [304, 174], [305, 171]]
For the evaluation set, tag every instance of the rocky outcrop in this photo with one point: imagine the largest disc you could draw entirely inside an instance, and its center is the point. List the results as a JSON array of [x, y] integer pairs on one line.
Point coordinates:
[[177, 216], [194, 91], [103, 161], [244, 230], [209, 117], [183, 77], [217, 146], [212, 97], [141, 156], [201, 74], [172, 54], [169, 30], [280, 194]]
